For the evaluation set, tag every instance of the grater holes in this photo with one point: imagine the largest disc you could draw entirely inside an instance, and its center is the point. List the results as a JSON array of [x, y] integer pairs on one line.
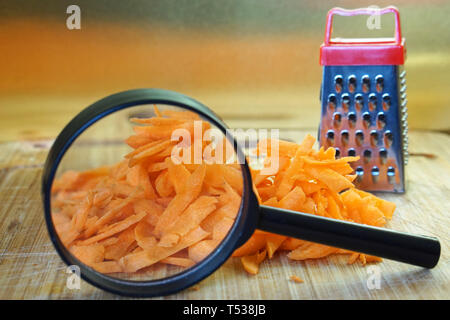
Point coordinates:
[[383, 155], [388, 138], [365, 82], [379, 83], [337, 155], [367, 155], [372, 101], [375, 172], [351, 119], [344, 137], [381, 120], [332, 101], [403, 74], [359, 101], [373, 137], [337, 119], [352, 83], [338, 83], [351, 152], [366, 119], [330, 137], [359, 174], [359, 137], [386, 101], [345, 101], [391, 175]]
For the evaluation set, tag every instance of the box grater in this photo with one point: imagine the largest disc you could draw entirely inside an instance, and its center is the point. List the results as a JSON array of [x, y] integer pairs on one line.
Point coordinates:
[[363, 98]]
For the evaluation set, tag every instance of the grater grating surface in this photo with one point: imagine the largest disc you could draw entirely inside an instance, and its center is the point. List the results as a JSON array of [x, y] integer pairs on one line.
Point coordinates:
[[367, 117]]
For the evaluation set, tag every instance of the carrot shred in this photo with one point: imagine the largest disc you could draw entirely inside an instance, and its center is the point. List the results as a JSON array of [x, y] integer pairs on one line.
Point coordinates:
[[176, 261], [120, 248], [333, 180], [255, 243], [190, 191], [311, 251], [202, 249], [164, 185], [109, 241], [194, 214], [251, 263], [293, 200], [107, 266], [178, 174], [151, 151], [115, 228], [222, 228], [273, 242], [296, 279], [143, 235], [136, 261], [89, 254], [291, 244]]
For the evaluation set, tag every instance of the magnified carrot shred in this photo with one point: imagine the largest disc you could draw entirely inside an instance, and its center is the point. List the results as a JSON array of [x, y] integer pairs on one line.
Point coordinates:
[[120, 248], [143, 235], [178, 174], [200, 250], [147, 209], [89, 254], [107, 267], [189, 192], [176, 261], [145, 258]]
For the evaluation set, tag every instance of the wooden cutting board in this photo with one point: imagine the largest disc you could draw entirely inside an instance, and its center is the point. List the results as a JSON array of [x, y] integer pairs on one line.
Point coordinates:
[[31, 269]]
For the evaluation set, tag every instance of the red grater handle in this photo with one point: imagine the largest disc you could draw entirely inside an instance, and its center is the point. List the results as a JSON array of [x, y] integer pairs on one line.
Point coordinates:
[[362, 11]]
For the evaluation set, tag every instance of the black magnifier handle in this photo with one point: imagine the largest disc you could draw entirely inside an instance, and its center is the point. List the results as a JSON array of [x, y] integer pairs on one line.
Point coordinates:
[[417, 250]]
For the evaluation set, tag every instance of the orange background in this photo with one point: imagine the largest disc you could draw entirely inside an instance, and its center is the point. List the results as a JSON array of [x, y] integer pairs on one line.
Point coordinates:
[[254, 62]]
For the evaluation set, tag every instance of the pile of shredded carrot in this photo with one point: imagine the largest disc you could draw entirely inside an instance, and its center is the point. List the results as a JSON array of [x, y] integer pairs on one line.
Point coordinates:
[[148, 210], [313, 182]]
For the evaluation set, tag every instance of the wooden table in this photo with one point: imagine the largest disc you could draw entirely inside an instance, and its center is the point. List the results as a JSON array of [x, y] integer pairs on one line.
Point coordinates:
[[31, 269]]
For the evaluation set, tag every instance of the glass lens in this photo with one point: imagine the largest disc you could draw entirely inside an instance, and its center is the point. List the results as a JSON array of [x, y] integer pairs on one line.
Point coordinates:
[[146, 192]]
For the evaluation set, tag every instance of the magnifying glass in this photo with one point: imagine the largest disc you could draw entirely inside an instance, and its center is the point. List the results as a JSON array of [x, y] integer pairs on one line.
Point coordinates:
[[146, 193]]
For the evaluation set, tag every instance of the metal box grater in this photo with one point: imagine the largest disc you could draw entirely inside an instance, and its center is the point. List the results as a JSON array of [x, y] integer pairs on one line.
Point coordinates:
[[363, 98]]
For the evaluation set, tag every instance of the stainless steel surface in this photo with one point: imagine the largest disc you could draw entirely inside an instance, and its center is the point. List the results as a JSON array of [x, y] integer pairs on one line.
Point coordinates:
[[364, 114]]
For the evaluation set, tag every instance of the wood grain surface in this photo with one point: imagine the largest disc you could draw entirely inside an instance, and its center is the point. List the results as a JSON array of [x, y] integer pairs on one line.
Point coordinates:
[[30, 268]]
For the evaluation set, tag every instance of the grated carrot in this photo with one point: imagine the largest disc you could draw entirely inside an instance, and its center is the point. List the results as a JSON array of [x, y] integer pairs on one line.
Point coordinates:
[[146, 209]]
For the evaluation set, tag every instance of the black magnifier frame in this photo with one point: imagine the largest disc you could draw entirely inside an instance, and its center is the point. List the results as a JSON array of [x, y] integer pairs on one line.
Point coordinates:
[[239, 233], [417, 250]]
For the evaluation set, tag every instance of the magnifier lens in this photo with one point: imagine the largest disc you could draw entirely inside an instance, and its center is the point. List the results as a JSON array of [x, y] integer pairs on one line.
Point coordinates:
[[146, 192]]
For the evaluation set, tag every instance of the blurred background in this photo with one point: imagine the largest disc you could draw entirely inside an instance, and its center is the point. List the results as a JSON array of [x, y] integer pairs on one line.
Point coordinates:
[[255, 62]]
